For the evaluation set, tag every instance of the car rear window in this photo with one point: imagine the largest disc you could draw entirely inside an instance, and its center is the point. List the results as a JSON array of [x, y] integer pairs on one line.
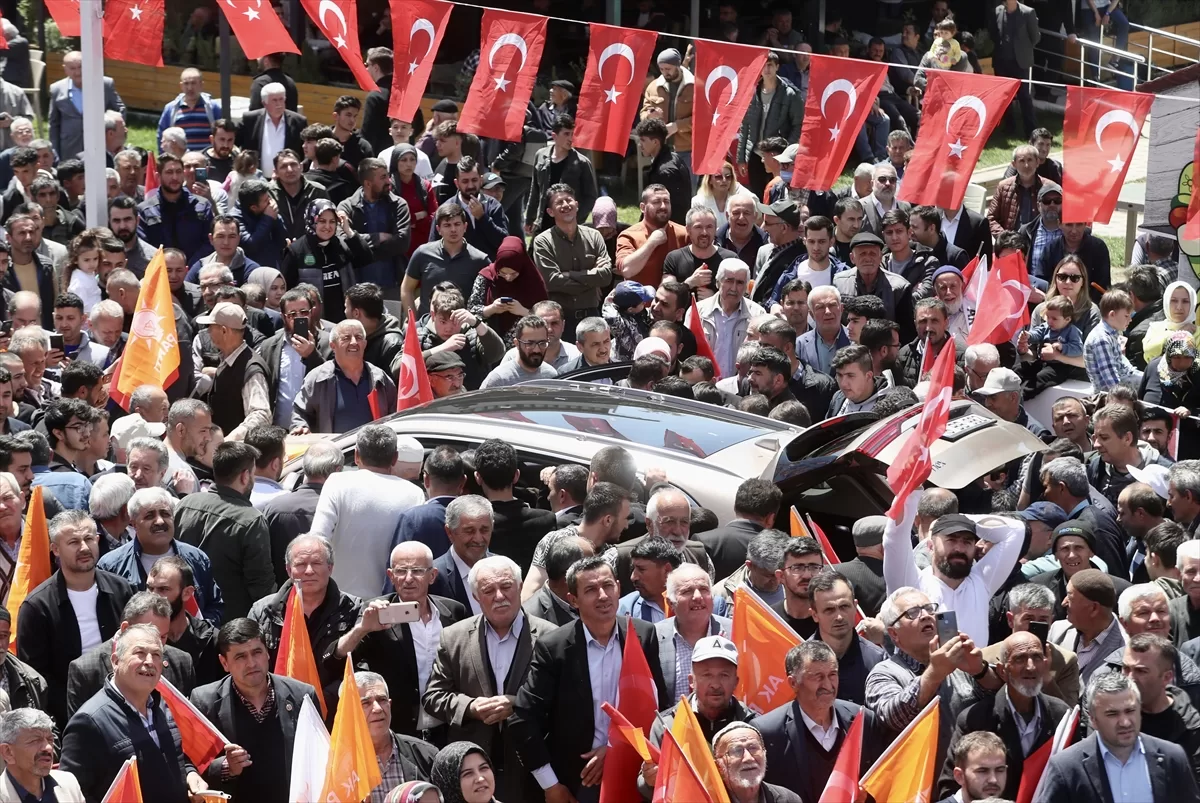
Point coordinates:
[[681, 432]]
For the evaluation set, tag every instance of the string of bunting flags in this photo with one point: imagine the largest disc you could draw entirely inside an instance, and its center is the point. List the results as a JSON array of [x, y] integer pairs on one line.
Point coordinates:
[[959, 110]]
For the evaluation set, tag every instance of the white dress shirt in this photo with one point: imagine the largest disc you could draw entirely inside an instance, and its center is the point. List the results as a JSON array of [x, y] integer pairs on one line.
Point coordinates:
[[464, 570], [502, 651], [426, 636], [826, 737], [950, 225], [273, 141]]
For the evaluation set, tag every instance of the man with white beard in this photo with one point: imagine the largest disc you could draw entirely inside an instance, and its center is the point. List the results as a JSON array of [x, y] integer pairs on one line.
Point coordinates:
[[948, 285], [742, 761], [1020, 713]]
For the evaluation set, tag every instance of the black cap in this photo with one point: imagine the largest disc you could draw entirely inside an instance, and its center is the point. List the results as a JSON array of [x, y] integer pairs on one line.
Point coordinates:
[[446, 106], [866, 238], [786, 210], [561, 84], [491, 180], [952, 522], [1077, 528], [443, 361]]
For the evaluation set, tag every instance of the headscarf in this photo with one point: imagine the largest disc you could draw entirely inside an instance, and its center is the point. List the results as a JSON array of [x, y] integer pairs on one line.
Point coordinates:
[[410, 792], [314, 211], [1170, 291], [604, 212], [1158, 331], [264, 277], [529, 287], [397, 152], [1179, 344], [448, 764]]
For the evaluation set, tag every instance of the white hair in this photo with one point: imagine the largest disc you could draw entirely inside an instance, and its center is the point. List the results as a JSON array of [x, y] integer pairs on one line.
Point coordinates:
[[653, 503], [741, 196], [366, 680], [110, 174], [469, 505], [23, 719], [349, 323], [106, 309], [825, 289], [864, 169], [420, 546], [1188, 549], [731, 265], [175, 134], [890, 611], [686, 571], [11, 479], [111, 118], [1133, 594], [272, 89], [110, 494], [494, 563], [20, 120], [10, 31], [147, 497], [981, 351], [698, 211]]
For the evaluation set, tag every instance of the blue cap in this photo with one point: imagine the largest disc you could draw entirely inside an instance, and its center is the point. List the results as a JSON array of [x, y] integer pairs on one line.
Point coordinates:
[[947, 269], [629, 294], [1048, 513]]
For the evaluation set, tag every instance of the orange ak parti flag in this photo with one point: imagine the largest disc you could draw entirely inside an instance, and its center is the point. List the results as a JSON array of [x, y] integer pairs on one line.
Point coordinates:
[[33, 561], [127, 786], [352, 771], [151, 355], [677, 779], [202, 742], [688, 736], [295, 658], [763, 641], [904, 773]]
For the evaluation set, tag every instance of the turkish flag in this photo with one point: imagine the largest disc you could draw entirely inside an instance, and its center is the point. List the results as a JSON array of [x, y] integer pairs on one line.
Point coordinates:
[[412, 381], [637, 700], [508, 64], [133, 31], [337, 20], [1034, 768], [1191, 227], [151, 182], [682, 443], [696, 327], [417, 30], [842, 786], [959, 113], [1003, 307], [1101, 128], [841, 93], [3, 39], [618, 61], [594, 426], [730, 74], [65, 14], [202, 742], [258, 28], [913, 465]]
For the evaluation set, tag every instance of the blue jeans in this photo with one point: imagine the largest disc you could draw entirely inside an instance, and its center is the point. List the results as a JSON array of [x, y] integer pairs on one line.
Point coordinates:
[[1119, 28], [871, 143]]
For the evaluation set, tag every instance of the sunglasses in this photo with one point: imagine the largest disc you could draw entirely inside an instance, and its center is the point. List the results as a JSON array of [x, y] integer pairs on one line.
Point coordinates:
[[1070, 277]]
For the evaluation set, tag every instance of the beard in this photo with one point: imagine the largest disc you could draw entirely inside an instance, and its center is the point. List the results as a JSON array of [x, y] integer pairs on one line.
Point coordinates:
[[955, 307], [955, 571], [176, 606], [1028, 688], [534, 359]]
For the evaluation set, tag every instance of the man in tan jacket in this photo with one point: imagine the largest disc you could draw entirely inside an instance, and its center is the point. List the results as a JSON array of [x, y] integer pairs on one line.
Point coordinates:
[[673, 92]]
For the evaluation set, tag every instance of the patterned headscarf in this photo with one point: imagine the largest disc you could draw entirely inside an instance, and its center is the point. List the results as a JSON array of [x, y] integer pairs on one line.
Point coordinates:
[[314, 211], [1179, 344], [410, 792], [448, 764]]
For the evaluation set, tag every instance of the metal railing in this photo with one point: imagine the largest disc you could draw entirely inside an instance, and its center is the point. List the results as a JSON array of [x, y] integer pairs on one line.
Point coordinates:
[[1123, 56], [1151, 49]]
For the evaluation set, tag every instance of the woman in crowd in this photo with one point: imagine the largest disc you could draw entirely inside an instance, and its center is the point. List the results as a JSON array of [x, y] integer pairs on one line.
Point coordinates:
[[274, 286], [463, 773], [414, 792], [1179, 309], [417, 193], [324, 258], [507, 289], [717, 189], [1170, 379], [1070, 279]]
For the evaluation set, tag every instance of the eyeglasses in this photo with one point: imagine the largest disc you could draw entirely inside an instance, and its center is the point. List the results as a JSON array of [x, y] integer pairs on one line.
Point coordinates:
[[535, 344], [804, 568], [885, 180], [80, 427], [914, 613], [1069, 277], [299, 313], [414, 571]]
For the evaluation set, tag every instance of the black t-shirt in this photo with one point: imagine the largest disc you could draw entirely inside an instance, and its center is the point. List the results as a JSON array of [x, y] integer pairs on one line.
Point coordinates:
[[841, 250], [682, 263], [805, 628]]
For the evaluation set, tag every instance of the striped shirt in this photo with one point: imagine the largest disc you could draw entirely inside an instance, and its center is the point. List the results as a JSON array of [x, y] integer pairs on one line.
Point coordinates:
[[194, 122]]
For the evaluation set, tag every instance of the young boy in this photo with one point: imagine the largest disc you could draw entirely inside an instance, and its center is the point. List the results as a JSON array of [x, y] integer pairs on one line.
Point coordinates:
[[627, 318], [1104, 350], [1058, 335], [769, 149]]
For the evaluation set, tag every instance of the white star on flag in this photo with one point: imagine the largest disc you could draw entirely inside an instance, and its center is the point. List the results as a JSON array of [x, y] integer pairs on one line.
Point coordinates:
[[136, 12], [412, 67], [339, 41], [833, 132], [502, 83], [1117, 163], [611, 94], [715, 116], [251, 14], [957, 148]]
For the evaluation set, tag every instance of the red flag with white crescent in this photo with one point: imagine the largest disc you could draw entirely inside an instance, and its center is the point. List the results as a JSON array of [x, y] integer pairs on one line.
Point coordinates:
[[913, 464], [842, 786], [1191, 228], [726, 77], [151, 182], [927, 358], [509, 56], [1101, 128], [618, 61], [959, 113], [412, 380], [258, 29], [1003, 307], [417, 30], [337, 20], [841, 93]]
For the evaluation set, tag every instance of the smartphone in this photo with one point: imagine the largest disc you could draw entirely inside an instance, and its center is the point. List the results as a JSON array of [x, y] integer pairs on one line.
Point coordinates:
[[6, 328], [57, 342], [947, 626], [1041, 630], [201, 174], [300, 328], [506, 299], [399, 613]]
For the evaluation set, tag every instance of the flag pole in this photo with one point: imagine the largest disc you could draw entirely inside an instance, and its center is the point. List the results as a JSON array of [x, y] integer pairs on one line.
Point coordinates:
[[226, 67], [92, 46]]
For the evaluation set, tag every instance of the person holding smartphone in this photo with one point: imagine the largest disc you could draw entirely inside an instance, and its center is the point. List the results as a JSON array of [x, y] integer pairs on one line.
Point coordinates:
[[1030, 608]]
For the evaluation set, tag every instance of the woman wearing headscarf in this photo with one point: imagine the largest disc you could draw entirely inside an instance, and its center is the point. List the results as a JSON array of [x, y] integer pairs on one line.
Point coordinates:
[[1179, 315], [417, 192], [1170, 380], [273, 286], [604, 220], [325, 258], [463, 774], [507, 289], [414, 792]]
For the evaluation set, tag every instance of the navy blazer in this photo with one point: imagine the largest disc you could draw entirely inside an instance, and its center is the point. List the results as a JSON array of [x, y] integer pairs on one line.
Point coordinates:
[[1078, 773], [806, 347], [450, 583], [425, 523], [788, 761]]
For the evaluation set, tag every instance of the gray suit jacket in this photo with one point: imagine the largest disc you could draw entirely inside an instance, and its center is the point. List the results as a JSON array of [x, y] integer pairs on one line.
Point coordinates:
[[1078, 773], [1065, 635], [66, 122], [87, 673], [1027, 32], [871, 219], [543, 605], [717, 626]]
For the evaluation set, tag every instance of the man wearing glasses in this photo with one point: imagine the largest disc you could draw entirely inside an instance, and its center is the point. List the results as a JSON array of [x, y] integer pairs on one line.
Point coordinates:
[[404, 653], [532, 336], [69, 425], [882, 199], [802, 560], [1045, 232]]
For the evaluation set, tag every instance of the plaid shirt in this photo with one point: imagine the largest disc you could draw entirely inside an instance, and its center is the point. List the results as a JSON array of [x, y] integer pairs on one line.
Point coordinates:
[[1043, 242], [392, 774], [1105, 360]]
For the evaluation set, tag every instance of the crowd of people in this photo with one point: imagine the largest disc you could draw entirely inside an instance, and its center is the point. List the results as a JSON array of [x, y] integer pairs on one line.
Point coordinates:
[[295, 254]]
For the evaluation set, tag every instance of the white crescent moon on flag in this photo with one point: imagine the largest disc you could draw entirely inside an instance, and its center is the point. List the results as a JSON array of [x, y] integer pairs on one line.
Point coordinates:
[[326, 5], [513, 39], [1115, 116], [408, 370], [422, 24], [723, 71], [618, 49], [840, 85], [968, 102]]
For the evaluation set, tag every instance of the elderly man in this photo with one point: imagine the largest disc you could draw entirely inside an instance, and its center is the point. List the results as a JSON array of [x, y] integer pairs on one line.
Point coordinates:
[[1185, 610], [469, 522], [1065, 483], [193, 111], [272, 128], [832, 606], [27, 748], [868, 278], [882, 199], [740, 233], [760, 571], [102, 735], [1143, 609], [66, 106], [1028, 603], [257, 710], [789, 250], [328, 611], [1090, 629], [1023, 715], [475, 704], [817, 347], [1015, 202], [1001, 393], [237, 391], [804, 764], [689, 592], [404, 653], [346, 392], [726, 315], [1135, 763], [401, 758], [669, 515], [1073, 545], [741, 757]]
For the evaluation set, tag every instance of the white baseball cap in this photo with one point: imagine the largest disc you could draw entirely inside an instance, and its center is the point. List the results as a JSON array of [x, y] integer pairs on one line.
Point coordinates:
[[1154, 475], [715, 647], [128, 427]]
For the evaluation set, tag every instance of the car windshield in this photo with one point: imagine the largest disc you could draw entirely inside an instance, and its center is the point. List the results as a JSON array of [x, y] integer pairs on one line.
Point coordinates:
[[682, 432]]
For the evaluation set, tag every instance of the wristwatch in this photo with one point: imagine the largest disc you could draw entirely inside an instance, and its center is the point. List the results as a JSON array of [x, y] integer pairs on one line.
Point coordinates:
[[982, 672]]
